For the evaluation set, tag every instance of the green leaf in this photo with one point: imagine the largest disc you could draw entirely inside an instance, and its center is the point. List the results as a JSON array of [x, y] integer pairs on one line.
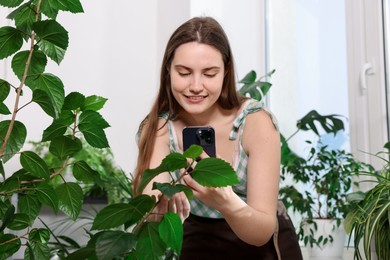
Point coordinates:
[[53, 32], [53, 51], [40, 235], [73, 6], [64, 146], [94, 103], [56, 129], [169, 190], [8, 216], [34, 164], [43, 100], [4, 89], [330, 123], [8, 249], [53, 87], [37, 250], [29, 205], [149, 245], [11, 40], [90, 117], [171, 231], [82, 253], [4, 109], [73, 101], [37, 63], [47, 195], [94, 135], [214, 172], [19, 222], [193, 152], [249, 78], [118, 214], [114, 243], [49, 8], [11, 3], [82, 172], [24, 17], [171, 162], [70, 196], [16, 140]]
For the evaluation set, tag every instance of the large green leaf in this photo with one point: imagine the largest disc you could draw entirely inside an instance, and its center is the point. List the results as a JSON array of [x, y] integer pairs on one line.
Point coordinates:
[[8, 216], [90, 117], [11, 40], [11, 3], [37, 63], [114, 243], [73, 100], [118, 214], [94, 103], [4, 89], [37, 250], [149, 245], [53, 51], [29, 204], [10, 248], [57, 128], [94, 135], [4, 109], [70, 196], [53, 32], [47, 195], [214, 172], [50, 8], [82, 172], [73, 6], [34, 164], [41, 235], [53, 87], [171, 231], [20, 221], [64, 146], [171, 162], [43, 100], [16, 140], [24, 17], [169, 190], [330, 123]]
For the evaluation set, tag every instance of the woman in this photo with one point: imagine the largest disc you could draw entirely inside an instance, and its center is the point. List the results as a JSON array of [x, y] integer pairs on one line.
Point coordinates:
[[198, 88]]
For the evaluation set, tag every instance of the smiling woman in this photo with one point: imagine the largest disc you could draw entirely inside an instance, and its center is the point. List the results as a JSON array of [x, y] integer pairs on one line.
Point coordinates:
[[198, 88]]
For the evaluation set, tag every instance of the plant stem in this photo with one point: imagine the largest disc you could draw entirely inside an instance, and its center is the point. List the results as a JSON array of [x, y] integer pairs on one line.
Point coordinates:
[[19, 89]]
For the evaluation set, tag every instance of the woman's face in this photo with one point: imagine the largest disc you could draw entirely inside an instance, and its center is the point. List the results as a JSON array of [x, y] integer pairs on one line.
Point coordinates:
[[197, 72]]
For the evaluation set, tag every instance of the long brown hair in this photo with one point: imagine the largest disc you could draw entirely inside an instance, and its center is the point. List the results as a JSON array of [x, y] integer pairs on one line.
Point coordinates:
[[204, 30]]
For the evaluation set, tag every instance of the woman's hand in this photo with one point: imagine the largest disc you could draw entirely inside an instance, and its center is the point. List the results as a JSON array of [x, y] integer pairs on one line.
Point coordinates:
[[212, 197], [178, 204]]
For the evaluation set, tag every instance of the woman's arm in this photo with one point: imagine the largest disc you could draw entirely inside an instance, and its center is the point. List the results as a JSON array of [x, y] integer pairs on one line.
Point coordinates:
[[254, 221]]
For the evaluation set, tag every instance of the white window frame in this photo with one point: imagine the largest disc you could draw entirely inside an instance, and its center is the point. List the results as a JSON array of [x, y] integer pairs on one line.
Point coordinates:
[[366, 76]]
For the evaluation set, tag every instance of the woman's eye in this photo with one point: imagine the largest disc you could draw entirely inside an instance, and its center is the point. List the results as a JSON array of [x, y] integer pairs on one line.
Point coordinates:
[[184, 74], [210, 75]]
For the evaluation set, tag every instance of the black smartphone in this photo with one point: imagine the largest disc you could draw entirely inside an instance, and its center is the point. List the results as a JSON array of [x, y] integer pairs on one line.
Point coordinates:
[[200, 135]]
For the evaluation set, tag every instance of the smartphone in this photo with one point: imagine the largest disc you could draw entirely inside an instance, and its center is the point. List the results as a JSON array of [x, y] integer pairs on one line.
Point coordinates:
[[200, 135]]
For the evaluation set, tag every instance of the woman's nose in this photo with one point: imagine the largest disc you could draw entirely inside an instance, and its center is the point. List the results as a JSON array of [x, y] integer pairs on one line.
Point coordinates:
[[196, 85]]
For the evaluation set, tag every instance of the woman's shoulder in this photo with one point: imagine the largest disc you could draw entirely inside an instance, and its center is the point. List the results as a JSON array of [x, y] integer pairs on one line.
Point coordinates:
[[258, 115]]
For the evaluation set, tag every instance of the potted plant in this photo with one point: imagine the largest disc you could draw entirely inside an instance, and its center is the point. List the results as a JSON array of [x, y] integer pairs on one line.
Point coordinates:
[[321, 179], [368, 222]]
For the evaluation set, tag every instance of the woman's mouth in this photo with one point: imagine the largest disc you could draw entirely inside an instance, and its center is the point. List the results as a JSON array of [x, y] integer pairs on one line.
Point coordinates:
[[195, 99]]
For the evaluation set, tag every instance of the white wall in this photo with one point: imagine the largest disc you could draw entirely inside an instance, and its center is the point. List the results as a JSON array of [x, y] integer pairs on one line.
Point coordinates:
[[115, 51]]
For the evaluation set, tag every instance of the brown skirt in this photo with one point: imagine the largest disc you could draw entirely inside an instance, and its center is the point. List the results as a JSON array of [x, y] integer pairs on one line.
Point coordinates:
[[213, 239]]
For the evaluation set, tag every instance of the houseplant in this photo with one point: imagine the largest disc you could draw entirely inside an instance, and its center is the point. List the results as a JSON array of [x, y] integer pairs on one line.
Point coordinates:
[[369, 220], [321, 179], [75, 118]]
